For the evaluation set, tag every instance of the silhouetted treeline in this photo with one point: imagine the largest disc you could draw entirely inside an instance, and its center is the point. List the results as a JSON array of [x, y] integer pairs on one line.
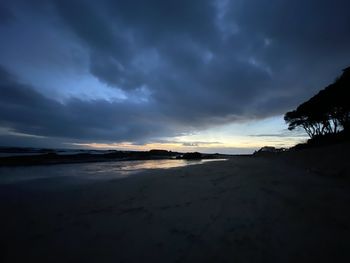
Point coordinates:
[[327, 114]]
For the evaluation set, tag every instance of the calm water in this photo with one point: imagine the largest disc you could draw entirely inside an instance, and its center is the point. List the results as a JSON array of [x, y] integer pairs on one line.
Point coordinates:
[[95, 171]]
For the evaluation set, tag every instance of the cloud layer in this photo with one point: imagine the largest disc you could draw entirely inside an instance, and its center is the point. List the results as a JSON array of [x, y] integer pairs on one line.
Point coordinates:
[[181, 66]]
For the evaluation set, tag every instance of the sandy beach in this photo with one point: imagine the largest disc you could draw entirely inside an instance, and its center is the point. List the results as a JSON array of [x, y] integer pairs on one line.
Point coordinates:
[[291, 207]]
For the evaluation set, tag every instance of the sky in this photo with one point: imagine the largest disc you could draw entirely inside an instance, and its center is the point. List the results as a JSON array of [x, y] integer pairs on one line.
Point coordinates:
[[199, 75]]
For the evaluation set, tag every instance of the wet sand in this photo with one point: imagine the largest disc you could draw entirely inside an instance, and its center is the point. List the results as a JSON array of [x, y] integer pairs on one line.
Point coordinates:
[[291, 207]]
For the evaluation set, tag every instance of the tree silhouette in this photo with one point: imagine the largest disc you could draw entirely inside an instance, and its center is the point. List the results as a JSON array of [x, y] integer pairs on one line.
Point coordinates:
[[326, 113]]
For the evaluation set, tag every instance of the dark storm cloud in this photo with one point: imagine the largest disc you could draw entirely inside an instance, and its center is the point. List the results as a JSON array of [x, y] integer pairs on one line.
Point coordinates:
[[24, 110], [202, 63], [278, 47]]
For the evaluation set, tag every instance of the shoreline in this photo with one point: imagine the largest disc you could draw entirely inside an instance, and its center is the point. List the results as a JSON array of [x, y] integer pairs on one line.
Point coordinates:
[[93, 171], [54, 158]]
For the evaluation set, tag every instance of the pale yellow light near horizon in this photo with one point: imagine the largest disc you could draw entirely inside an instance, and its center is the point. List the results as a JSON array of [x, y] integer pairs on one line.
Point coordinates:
[[247, 144], [242, 137]]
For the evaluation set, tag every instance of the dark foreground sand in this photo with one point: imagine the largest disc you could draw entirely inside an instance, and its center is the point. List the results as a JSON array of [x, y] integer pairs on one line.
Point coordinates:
[[293, 207]]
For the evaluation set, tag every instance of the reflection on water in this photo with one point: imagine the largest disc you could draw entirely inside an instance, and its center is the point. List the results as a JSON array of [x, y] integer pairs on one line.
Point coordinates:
[[132, 166], [100, 170]]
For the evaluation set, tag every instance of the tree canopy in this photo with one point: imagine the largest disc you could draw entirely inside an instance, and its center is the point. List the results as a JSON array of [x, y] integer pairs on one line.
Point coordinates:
[[328, 112]]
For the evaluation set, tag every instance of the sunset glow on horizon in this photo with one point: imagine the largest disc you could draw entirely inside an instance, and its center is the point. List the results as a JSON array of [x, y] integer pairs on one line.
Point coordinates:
[[222, 140]]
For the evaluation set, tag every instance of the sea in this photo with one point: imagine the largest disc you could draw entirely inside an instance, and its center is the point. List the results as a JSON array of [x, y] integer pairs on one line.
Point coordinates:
[[91, 171]]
